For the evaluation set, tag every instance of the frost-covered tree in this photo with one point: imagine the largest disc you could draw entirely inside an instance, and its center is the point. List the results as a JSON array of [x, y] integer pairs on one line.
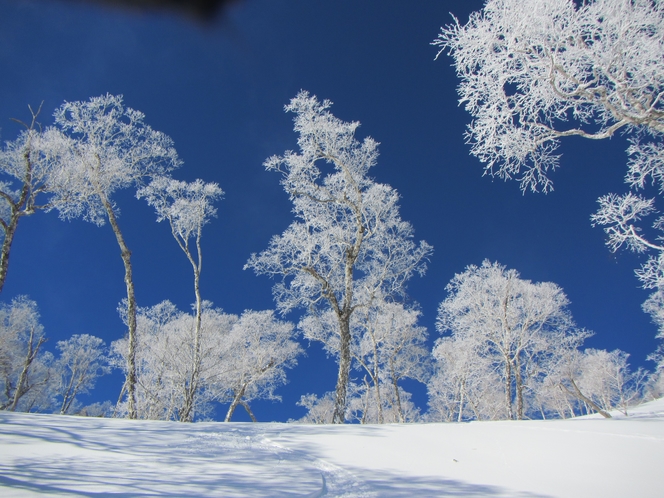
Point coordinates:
[[24, 367], [347, 236], [319, 410], [514, 323], [620, 214], [365, 408], [27, 167], [240, 359], [81, 361], [555, 393], [600, 381], [533, 72], [165, 352], [362, 405], [188, 207], [257, 351], [387, 346], [111, 148], [465, 384], [405, 356]]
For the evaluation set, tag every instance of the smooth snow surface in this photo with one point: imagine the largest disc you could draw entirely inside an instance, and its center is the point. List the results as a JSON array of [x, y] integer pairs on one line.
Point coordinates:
[[588, 456]]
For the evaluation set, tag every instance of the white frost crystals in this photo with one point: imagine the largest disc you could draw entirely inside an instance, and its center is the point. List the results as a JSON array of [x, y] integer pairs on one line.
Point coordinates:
[[237, 360], [28, 167], [513, 353]]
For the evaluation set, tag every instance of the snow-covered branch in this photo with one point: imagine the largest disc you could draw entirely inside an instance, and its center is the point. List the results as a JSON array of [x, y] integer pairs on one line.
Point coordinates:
[[537, 71]]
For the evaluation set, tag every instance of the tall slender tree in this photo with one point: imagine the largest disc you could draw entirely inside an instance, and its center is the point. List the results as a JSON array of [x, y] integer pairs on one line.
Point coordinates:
[[188, 208], [348, 235], [111, 148]]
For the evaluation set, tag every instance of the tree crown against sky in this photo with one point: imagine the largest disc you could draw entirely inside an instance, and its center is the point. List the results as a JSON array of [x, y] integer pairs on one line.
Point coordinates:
[[112, 148], [82, 359], [512, 350], [348, 242], [509, 325], [29, 166], [538, 71], [340, 213]]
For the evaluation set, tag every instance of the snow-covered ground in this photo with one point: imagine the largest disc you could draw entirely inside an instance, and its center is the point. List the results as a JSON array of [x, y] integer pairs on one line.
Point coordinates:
[[588, 456]]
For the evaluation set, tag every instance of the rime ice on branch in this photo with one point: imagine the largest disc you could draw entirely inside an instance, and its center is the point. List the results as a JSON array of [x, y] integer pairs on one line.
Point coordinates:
[[28, 166], [537, 71]]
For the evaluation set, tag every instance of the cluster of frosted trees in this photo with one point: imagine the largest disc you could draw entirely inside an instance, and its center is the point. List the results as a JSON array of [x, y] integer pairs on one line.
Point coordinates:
[[512, 351], [535, 72], [531, 74], [33, 379], [175, 363], [234, 360], [345, 260], [510, 348]]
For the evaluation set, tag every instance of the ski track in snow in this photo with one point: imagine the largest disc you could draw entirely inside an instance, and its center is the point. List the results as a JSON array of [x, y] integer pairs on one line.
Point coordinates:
[[334, 481]]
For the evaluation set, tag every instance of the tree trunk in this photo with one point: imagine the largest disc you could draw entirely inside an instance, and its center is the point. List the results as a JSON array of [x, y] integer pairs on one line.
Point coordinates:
[[32, 354], [508, 389], [343, 316], [375, 379], [339, 416], [191, 390], [231, 409], [245, 405], [131, 310], [518, 389], [68, 396], [10, 230], [577, 393], [461, 400], [237, 399], [397, 396]]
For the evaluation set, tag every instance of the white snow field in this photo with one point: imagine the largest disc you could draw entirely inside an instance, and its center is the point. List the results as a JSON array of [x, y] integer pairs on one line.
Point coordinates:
[[51, 455]]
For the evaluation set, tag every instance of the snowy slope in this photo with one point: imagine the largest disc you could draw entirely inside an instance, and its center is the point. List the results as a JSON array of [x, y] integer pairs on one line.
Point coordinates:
[[70, 456]]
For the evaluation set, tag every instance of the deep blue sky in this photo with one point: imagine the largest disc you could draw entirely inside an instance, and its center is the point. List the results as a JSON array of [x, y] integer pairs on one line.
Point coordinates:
[[219, 89]]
